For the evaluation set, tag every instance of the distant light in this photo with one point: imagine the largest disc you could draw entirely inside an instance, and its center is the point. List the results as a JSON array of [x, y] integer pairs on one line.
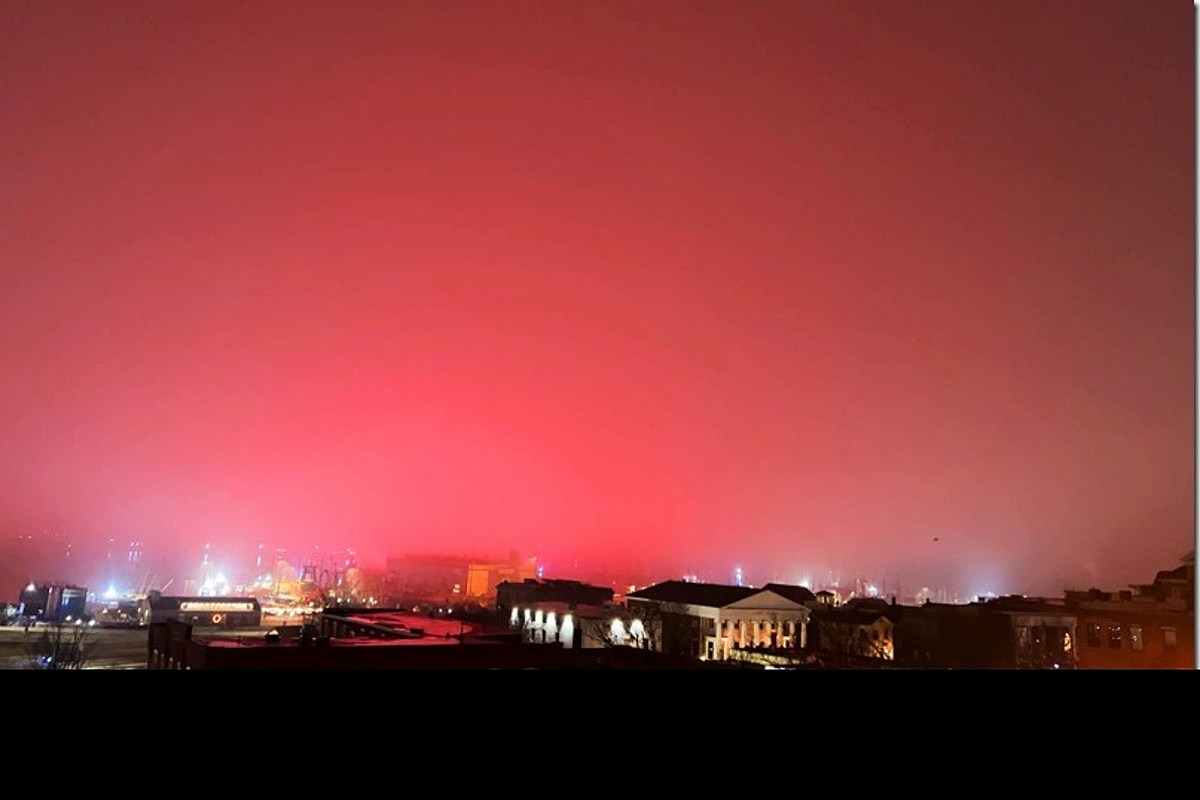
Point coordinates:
[[31, 588]]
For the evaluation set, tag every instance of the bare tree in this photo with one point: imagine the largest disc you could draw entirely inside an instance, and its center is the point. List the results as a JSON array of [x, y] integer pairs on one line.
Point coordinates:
[[842, 639], [599, 632], [59, 646], [617, 629], [667, 627]]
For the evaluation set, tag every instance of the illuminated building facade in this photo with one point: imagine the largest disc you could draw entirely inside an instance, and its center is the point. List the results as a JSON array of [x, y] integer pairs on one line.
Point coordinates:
[[713, 621], [483, 578], [576, 626], [202, 611], [567, 612]]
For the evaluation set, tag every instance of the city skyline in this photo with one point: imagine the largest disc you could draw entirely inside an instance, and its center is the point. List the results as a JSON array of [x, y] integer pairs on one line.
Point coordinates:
[[240, 568], [903, 290]]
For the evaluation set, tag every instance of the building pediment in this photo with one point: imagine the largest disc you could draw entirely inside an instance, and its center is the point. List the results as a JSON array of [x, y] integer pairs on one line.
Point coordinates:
[[766, 600]]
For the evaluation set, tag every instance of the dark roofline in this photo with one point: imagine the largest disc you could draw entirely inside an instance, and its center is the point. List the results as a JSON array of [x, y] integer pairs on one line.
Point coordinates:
[[797, 594], [855, 616], [710, 595]]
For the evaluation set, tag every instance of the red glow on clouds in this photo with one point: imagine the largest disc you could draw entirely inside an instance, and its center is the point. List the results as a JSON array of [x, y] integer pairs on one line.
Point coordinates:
[[665, 283]]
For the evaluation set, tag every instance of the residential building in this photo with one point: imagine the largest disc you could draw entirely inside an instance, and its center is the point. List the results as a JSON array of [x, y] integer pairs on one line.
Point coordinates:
[[858, 632], [1148, 626], [1011, 632]]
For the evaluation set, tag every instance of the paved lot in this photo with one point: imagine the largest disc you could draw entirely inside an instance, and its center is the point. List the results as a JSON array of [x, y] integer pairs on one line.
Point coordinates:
[[105, 648]]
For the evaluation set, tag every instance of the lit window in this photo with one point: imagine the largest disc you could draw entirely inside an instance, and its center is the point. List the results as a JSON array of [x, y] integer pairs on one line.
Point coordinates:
[[1135, 637]]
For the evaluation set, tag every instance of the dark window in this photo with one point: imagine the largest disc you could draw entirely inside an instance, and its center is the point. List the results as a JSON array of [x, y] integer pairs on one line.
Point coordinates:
[[1023, 640], [1093, 634], [1169, 639], [1114, 637]]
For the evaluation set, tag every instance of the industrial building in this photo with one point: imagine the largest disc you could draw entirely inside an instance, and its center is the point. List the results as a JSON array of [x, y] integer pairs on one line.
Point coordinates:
[[204, 612], [53, 602]]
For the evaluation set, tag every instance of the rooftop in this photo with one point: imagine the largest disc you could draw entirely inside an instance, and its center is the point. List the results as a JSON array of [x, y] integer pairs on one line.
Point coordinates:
[[713, 595]]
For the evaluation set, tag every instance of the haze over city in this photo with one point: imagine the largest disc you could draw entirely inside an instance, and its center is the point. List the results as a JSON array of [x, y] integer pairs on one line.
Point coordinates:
[[895, 289]]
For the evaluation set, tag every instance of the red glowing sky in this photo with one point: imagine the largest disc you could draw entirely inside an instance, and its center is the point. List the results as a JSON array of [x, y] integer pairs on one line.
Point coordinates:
[[771, 283]]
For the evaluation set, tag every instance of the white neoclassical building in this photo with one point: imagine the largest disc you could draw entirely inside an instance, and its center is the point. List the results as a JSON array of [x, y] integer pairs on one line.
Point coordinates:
[[710, 621]]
